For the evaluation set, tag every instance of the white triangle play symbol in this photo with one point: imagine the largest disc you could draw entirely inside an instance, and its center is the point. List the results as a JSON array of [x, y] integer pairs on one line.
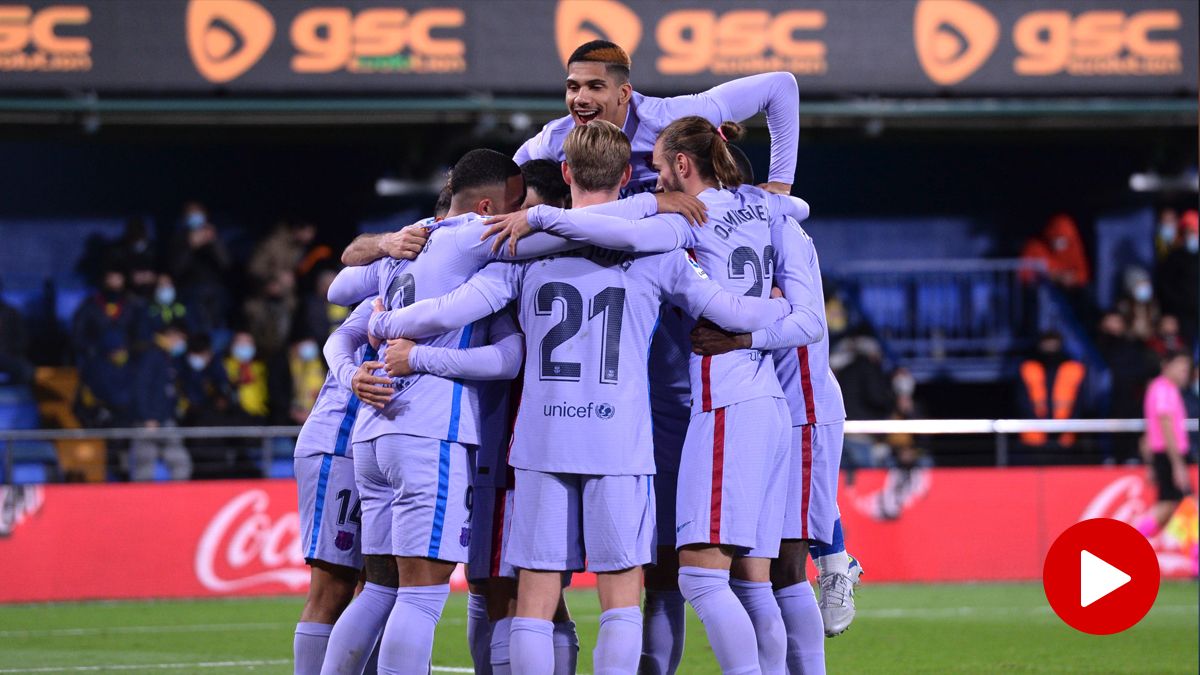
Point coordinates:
[[1097, 578]]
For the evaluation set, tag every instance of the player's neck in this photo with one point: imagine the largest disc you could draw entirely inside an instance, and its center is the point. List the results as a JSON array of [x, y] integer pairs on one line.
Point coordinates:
[[694, 186], [581, 198]]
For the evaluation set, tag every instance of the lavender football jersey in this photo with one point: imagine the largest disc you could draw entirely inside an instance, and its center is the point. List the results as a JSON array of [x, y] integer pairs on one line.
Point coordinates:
[[776, 94], [807, 380], [589, 316], [331, 420]]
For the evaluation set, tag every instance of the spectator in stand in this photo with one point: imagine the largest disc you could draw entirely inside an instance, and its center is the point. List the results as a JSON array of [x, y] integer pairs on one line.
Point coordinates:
[[106, 398], [202, 382], [868, 395], [269, 314], [1167, 442], [302, 374], [166, 308], [111, 314], [15, 367], [318, 316], [1167, 338], [248, 375], [156, 402], [199, 263], [1050, 386], [1138, 305], [134, 250], [1178, 274], [1061, 248], [1168, 233], [1131, 364], [282, 251]]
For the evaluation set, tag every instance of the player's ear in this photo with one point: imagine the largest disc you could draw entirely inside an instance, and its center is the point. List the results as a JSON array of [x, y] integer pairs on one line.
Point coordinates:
[[626, 174], [484, 206], [566, 174], [683, 165], [625, 93]]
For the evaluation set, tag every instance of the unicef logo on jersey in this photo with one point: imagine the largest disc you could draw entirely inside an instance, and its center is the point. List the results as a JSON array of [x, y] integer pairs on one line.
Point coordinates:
[[603, 411]]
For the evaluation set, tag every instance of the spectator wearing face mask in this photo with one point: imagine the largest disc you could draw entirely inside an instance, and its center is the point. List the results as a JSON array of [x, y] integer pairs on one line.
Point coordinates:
[[1050, 384], [1060, 248], [298, 378], [202, 379], [166, 308], [1138, 304], [248, 375], [199, 263], [156, 405], [1167, 233], [1178, 285]]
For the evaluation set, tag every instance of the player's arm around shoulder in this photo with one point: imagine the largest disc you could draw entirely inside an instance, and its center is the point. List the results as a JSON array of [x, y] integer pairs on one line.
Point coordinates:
[[685, 285]]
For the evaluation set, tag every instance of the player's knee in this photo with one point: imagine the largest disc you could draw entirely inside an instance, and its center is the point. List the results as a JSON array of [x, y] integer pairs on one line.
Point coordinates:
[[790, 568], [381, 570]]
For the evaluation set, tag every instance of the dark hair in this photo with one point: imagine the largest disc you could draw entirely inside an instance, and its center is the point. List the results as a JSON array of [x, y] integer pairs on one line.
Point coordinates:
[[1173, 354], [743, 164], [616, 61], [481, 168], [697, 138], [442, 207], [545, 177]]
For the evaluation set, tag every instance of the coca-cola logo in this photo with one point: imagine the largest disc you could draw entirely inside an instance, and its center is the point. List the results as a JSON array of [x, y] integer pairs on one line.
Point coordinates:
[[243, 546]]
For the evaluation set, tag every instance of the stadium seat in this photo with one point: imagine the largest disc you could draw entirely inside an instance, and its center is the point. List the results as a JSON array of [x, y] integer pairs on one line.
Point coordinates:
[[18, 408]]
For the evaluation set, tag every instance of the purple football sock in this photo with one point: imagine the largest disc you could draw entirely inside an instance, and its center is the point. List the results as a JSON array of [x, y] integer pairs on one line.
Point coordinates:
[[725, 621], [531, 646], [372, 667], [408, 637], [566, 648], [499, 647], [479, 633], [662, 632], [309, 646], [357, 631], [805, 630], [758, 600], [617, 646]]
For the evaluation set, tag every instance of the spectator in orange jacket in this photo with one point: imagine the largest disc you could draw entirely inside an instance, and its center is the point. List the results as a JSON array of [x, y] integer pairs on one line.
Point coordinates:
[[1060, 247]]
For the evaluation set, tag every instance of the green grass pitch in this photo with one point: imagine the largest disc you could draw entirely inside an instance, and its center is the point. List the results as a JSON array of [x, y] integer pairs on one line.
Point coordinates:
[[995, 628]]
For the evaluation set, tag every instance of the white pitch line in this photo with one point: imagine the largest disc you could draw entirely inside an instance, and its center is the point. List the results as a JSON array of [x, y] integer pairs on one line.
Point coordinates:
[[150, 666], [118, 630]]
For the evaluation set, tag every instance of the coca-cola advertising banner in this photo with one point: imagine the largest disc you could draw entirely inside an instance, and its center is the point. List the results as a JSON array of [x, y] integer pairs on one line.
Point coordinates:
[[77, 542]]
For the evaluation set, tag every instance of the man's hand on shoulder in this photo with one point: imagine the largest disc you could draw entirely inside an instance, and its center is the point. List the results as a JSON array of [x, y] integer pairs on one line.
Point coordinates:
[[406, 244], [684, 204], [509, 227]]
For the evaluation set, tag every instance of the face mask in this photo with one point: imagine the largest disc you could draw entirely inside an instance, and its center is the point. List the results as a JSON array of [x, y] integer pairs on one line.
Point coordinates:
[[197, 362], [307, 351], [904, 385], [243, 352], [165, 295], [195, 219], [1166, 234], [1143, 292], [1193, 244], [177, 348]]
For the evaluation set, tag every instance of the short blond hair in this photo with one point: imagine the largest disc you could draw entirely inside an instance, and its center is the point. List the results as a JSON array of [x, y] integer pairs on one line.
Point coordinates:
[[597, 154]]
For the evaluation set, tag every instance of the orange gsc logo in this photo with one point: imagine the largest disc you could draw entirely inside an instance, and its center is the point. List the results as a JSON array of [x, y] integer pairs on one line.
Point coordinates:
[[692, 41], [578, 22], [953, 38], [227, 37], [30, 41], [1097, 42]]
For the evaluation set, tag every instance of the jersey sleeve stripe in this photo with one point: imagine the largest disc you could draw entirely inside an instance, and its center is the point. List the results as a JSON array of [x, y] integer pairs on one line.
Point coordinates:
[[718, 475]]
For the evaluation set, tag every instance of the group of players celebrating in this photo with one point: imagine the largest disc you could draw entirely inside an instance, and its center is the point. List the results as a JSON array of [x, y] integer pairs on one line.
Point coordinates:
[[676, 427]]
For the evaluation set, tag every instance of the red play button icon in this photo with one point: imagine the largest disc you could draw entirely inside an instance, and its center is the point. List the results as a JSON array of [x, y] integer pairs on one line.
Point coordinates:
[[1101, 576]]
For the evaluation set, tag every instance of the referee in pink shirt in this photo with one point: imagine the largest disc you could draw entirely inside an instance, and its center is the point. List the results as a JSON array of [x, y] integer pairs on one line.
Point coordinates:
[[1166, 447]]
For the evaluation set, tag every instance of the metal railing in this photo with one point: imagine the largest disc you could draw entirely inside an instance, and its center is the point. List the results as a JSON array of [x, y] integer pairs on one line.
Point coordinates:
[[1002, 429]]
